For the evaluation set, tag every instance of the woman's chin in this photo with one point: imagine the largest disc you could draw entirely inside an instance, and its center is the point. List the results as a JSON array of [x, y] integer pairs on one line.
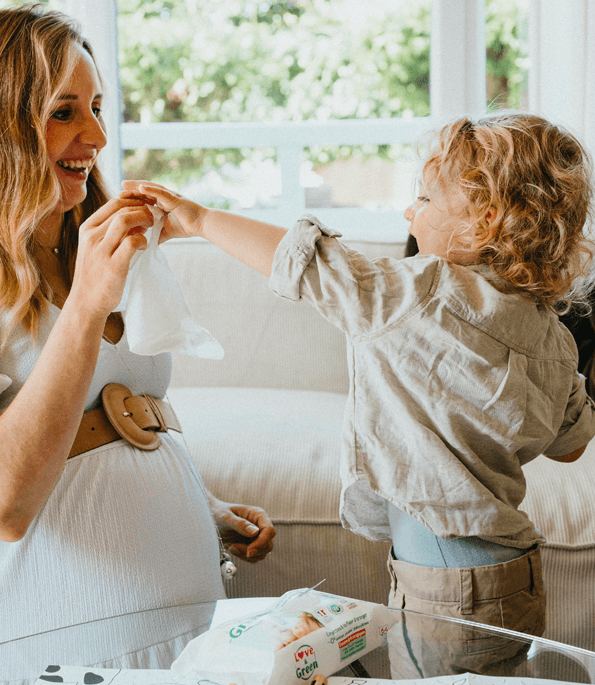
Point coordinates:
[[70, 200]]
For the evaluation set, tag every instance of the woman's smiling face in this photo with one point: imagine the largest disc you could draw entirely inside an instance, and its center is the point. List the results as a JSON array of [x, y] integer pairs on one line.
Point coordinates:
[[75, 131]]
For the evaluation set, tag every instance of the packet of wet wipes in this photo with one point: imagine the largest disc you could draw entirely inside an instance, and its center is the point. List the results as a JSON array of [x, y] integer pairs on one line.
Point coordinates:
[[306, 633]]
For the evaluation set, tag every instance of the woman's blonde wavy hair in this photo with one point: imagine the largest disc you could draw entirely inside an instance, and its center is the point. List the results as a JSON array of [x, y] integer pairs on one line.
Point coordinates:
[[36, 60], [538, 178]]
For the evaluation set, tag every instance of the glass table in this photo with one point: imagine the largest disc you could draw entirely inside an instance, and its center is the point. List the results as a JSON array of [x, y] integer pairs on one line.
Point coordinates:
[[421, 646], [417, 647]]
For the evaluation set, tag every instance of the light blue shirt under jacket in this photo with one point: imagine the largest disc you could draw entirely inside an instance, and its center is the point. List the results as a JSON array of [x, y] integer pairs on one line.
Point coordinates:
[[454, 386]]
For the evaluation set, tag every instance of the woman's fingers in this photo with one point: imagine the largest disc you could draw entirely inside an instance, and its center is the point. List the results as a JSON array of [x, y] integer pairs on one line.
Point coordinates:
[[109, 234], [129, 246], [109, 209], [129, 221]]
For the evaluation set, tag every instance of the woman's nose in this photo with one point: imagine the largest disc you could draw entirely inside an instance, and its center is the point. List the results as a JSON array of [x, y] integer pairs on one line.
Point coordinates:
[[94, 132], [409, 213]]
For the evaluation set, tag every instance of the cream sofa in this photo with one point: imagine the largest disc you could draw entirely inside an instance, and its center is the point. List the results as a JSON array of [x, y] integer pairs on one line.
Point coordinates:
[[264, 428]]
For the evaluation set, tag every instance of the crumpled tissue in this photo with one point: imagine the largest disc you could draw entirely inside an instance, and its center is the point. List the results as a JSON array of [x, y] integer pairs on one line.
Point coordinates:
[[156, 312]]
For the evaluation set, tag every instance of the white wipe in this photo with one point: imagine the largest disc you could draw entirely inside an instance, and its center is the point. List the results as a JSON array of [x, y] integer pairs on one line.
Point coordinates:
[[5, 382], [156, 313]]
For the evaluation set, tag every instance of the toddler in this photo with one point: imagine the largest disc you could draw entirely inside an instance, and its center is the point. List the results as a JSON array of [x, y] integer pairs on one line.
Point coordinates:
[[460, 371]]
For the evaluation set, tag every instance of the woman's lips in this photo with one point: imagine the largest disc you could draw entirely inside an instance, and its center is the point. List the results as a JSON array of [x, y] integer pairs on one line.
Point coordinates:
[[77, 172]]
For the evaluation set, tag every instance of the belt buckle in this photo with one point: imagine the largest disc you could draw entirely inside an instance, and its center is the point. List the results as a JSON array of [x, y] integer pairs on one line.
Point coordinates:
[[158, 415], [113, 396]]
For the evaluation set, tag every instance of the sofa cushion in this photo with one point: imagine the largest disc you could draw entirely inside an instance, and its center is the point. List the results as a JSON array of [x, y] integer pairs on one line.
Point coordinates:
[[560, 497], [560, 501], [279, 449]]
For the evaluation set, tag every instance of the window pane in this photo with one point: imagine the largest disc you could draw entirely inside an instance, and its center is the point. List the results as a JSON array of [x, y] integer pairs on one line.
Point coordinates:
[[260, 60], [507, 53], [232, 179], [366, 176]]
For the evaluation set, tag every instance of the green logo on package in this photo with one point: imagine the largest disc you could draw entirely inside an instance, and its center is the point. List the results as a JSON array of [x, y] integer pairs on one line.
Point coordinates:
[[336, 609], [236, 631]]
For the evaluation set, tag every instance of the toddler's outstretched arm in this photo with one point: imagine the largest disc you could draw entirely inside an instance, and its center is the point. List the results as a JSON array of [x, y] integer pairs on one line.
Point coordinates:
[[252, 242]]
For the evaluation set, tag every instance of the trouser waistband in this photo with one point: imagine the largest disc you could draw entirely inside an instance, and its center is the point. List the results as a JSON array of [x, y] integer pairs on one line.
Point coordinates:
[[468, 585]]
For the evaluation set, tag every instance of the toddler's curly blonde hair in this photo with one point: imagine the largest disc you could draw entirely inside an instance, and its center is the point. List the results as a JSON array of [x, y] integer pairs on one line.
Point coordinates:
[[538, 179]]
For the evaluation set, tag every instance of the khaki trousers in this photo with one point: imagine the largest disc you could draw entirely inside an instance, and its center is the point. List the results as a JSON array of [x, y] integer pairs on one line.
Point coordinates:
[[508, 595]]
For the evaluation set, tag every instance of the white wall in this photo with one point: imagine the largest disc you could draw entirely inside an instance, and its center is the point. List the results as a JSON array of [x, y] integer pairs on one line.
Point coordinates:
[[562, 53]]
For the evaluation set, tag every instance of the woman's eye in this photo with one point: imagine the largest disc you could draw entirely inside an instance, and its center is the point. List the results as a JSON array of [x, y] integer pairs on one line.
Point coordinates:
[[422, 198], [97, 111], [62, 114]]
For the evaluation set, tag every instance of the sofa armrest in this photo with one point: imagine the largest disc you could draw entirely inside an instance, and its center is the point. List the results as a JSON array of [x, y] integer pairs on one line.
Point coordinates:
[[559, 501]]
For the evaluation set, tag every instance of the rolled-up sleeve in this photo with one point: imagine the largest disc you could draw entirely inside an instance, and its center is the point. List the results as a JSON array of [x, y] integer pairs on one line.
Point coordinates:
[[578, 427], [294, 253], [356, 294]]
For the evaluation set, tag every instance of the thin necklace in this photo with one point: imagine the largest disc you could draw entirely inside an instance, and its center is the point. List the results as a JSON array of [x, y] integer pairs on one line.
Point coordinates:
[[54, 251]]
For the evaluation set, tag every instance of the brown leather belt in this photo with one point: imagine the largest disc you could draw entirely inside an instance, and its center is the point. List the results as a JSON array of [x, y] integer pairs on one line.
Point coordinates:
[[135, 418]]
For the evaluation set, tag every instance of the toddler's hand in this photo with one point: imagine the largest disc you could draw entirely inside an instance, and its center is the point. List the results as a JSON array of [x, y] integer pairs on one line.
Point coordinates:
[[184, 217]]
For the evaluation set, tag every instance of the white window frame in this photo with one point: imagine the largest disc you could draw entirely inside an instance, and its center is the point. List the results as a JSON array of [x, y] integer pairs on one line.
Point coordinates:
[[558, 32]]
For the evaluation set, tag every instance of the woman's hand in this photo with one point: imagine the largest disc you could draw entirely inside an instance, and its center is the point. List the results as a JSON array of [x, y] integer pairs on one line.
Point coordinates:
[[107, 242], [248, 532], [183, 217], [252, 242]]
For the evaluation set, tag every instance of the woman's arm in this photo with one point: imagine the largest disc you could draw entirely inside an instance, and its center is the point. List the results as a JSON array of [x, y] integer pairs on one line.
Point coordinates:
[[38, 428]]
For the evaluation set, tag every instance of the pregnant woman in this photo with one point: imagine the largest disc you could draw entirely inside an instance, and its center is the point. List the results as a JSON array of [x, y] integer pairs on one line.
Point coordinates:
[[91, 527]]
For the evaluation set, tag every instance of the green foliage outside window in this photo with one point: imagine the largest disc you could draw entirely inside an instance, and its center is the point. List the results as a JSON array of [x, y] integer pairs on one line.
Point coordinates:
[[257, 60], [507, 55], [237, 60], [291, 60]]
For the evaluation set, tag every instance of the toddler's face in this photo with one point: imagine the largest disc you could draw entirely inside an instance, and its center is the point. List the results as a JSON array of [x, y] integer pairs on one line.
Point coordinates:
[[436, 223]]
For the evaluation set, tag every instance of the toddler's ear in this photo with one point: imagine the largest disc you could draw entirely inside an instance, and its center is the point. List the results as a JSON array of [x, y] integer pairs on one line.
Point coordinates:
[[485, 233], [492, 216]]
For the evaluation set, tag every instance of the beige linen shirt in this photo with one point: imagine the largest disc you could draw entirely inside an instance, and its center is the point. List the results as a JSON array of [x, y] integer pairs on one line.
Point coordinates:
[[454, 386]]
